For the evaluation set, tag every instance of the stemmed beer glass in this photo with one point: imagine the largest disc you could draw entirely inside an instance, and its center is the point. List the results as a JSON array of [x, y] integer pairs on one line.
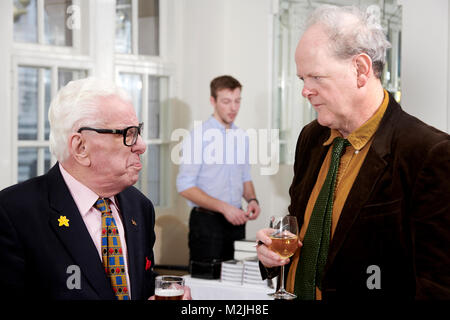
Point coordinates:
[[284, 242]]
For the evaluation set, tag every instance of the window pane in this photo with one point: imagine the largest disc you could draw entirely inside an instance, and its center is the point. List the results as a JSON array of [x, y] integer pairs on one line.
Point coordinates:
[[148, 27], [25, 21], [132, 83], [123, 26], [28, 159], [67, 75], [27, 164], [154, 178], [154, 106], [28, 102], [55, 17], [47, 160], [47, 100]]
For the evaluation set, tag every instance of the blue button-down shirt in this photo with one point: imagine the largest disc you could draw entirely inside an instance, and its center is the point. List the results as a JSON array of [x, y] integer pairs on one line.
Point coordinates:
[[216, 161]]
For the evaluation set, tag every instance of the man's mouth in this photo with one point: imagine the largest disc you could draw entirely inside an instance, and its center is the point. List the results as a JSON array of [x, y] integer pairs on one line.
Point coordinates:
[[136, 165]]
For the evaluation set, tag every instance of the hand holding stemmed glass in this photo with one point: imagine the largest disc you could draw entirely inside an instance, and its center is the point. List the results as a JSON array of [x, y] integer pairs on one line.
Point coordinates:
[[280, 243]]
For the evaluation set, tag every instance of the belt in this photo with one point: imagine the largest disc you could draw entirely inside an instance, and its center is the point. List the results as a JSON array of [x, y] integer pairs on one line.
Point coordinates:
[[200, 209]]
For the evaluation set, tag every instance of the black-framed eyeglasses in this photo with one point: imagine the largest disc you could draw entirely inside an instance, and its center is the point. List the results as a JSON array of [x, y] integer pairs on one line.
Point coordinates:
[[130, 134]]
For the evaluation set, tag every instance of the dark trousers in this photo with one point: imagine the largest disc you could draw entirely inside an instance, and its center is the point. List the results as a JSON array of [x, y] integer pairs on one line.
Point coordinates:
[[211, 236]]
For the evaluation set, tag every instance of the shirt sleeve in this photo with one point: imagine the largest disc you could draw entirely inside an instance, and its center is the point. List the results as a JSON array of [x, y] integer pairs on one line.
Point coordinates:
[[189, 169]]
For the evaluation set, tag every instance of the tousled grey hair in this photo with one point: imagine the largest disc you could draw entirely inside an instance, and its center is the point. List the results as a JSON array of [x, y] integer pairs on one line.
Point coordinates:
[[351, 32]]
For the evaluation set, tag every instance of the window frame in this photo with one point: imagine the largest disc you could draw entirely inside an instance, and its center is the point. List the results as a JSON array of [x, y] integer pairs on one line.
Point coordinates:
[[93, 51], [40, 44], [36, 60], [40, 55], [163, 10]]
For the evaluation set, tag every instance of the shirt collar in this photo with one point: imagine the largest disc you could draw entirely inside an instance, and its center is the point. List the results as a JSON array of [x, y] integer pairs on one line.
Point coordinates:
[[361, 136], [215, 123], [84, 197]]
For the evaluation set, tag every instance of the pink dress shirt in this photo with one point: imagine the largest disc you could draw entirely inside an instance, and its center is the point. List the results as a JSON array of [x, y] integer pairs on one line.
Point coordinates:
[[85, 199]]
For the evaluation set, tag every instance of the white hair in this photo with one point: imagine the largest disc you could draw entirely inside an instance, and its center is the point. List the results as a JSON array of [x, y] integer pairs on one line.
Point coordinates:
[[76, 105], [352, 32]]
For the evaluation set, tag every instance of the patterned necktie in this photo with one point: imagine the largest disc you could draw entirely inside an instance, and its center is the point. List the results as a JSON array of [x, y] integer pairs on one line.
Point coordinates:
[[112, 256], [314, 252]]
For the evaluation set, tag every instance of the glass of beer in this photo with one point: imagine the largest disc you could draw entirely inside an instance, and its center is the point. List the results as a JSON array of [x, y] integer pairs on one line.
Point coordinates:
[[284, 242], [169, 288]]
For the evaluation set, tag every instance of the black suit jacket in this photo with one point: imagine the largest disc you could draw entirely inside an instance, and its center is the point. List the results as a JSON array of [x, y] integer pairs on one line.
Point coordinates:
[[36, 253], [396, 216]]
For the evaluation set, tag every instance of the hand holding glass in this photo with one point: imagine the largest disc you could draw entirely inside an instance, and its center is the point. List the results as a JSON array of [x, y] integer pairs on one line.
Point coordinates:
[[169, 288], [284, 242]]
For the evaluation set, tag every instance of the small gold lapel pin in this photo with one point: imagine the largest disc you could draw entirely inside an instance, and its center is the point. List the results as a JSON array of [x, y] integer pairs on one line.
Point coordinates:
[[63, 221], [133, 222]]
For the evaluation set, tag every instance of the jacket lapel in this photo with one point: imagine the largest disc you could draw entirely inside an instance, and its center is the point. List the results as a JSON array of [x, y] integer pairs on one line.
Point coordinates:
[[371, 170], [76, 237], [131, 223]]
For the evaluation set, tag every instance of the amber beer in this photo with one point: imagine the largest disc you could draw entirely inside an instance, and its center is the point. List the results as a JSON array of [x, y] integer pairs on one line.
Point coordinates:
[[284, 244], [169, 294], [169, 288]]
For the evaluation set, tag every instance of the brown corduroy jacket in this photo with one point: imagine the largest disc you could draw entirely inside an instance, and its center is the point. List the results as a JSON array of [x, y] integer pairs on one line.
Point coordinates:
[[396, 218]]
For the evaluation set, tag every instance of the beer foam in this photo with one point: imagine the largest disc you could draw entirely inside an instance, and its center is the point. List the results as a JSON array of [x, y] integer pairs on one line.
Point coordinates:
[[169, 292]]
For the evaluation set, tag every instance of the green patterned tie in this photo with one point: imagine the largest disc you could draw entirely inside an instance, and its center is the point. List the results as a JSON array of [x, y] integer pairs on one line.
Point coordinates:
[[314, 252]]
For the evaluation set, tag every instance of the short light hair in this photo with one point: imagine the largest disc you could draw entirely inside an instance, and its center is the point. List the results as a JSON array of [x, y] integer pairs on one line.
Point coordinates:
[[76, 105], [352, 32]]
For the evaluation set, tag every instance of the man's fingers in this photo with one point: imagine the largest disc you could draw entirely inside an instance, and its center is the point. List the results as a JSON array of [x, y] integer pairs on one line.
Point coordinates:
[[187, 293], [264, 236], [269, 258]]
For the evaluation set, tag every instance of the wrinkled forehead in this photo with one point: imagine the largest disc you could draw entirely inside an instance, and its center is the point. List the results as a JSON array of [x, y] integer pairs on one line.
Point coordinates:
[[312, 50], [313, 40], [114, 110]]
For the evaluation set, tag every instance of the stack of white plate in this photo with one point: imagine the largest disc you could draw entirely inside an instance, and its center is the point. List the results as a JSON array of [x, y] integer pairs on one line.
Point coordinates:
[[252, 274], [232, 271]]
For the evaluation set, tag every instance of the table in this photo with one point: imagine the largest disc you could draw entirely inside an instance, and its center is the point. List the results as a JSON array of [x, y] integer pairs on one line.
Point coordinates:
[[204, 289]]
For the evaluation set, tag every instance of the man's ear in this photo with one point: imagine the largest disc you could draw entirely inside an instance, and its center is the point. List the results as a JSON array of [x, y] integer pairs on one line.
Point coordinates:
[[363, 64], [78, 149], [213, 101]]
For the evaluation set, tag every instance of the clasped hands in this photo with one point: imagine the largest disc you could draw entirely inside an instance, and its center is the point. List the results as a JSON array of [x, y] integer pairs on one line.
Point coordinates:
[[238, 216]]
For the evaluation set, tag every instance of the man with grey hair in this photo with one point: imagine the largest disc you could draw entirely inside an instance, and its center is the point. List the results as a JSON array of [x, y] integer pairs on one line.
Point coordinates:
[[82, 231], [370, 187]]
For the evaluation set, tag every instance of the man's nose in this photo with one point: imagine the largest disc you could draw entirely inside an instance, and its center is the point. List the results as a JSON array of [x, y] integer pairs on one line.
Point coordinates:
[[306, 91], [139, 146]]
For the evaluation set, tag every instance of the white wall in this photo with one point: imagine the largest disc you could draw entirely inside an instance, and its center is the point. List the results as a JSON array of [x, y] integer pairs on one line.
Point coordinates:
[[425, 61]]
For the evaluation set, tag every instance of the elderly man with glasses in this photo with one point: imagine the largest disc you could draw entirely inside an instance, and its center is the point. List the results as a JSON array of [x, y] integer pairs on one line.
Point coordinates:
[[82, 231]]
